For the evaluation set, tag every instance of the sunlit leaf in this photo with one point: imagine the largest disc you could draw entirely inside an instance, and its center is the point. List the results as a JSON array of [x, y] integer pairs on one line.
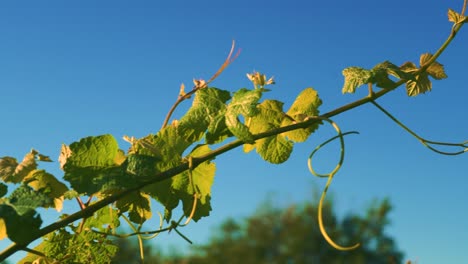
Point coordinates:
[[200, 183], [243, 104], [305, 105], [275, 149], [355, 77], [207, 107], [421, 85], [91, 165]]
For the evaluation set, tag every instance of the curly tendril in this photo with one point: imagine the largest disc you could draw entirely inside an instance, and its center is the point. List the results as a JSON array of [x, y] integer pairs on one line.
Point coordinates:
[[330, 178]]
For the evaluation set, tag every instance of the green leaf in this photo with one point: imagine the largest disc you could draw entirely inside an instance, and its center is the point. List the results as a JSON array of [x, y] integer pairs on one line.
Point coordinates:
[[104, 219], [217, 131], [91, 165], [275, 149], [380, 75], [269, 116], [80, 247], [142, 166], [25, 199], [200, 183], [169, 146], [381, 72], [355, 77], [305, 105], [209, 105], [421, 85], [3, 190], [47, 184], [18, 227], [162, 191], [244, 103], [138, 206]]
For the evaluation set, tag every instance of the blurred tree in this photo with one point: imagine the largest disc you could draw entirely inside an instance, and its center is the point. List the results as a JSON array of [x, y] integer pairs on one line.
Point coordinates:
[[291, 235], [129, 253]]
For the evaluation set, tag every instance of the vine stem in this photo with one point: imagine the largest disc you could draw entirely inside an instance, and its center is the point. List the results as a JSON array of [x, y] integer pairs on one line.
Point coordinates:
[[91, 209]]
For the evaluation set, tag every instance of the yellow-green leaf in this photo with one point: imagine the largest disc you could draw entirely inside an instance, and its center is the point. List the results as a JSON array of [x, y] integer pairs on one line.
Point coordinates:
[[355, 77], [421, 85], [305, 105]]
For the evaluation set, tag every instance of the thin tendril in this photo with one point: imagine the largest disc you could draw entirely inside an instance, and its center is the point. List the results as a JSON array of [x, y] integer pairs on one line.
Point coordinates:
[[140, 241], [464, 7], [180, 99], [424, 141], [195, 193], [160, 228], [330, 178]]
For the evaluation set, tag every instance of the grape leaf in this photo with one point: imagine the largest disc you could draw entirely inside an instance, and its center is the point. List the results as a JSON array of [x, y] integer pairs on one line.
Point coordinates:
[[421, 85], [25, 167], [7, 168], [409, 67], [244, 103], [103, 219], [217, 130], [138, 206], [381, 71], [25, 199], [46, 183], [169, 146], [435, 70], [275, 149], [208, 105], [3, 190], [13, 224], [11, 171], [79, 247], [200, 183], [355, 77], [91, 165], [306, 104]]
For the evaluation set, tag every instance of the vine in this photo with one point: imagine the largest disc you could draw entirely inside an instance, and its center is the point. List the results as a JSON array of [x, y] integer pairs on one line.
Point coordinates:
[[120, 184]]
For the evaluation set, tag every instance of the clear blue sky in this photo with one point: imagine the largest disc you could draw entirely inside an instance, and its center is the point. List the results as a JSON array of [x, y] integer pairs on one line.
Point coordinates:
[[71, 69]]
